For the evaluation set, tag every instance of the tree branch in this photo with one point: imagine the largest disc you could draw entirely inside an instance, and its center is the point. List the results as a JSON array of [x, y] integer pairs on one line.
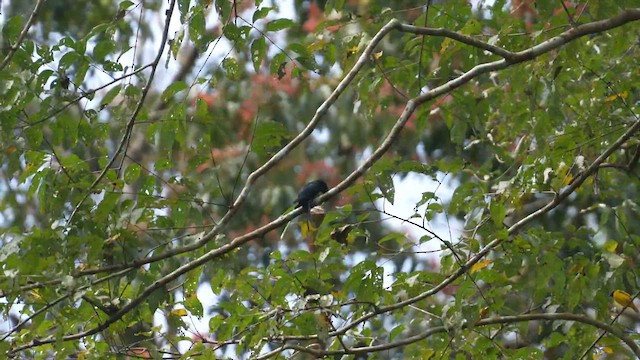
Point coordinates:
[[132, 120], [23, 34], [84, 95], [528, 54], [465, 39], [551, 44], [546, 46], [485, 322]]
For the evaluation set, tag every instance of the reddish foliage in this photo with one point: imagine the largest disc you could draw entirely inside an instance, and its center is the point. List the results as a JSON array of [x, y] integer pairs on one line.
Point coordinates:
[[524, 9], [450, 289], [203, 339], [221, 155], [264, 81], [315, 17], [262, 89], [138, 353], [209, 99], [580, 8], [311, 170]]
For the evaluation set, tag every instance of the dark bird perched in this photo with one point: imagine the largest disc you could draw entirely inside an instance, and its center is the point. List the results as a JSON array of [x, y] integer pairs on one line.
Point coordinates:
[[309, 192]]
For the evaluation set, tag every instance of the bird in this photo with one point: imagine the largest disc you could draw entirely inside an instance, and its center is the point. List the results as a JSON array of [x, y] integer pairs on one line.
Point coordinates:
[[309, 192], [623, 299]]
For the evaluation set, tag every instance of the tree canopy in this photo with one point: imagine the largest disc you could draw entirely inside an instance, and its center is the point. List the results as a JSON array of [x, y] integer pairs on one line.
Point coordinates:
[[152, 152]]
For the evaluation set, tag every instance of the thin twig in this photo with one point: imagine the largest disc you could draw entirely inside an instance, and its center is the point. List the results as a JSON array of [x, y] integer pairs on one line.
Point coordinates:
[[569, 16], [23, 34], [526, 55], [426, 18], [484, 322], [246, 157], [608, 330], [132, 120], [504, 53], [84, 95]]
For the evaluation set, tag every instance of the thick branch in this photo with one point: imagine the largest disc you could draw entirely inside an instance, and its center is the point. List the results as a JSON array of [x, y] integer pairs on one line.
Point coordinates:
[[526, 55], [255, 175], [562, 39], [554, 43], [485, 322]]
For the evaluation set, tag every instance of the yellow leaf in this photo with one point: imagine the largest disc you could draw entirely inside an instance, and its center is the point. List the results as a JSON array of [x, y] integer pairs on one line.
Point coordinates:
[[307, 228], [445, 45], [353, 49], [112, 239], [611, 246], [568, 179], [316, 45], [179, 312], [576, 269], [622, 95], [481, 265], [36, 295], [377, 55], [483, 312]]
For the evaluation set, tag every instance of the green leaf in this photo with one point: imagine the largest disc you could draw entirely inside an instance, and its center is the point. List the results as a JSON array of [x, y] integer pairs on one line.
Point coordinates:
[[68, 59], [106, 206], [270, 136], [300, 49], [33, 135], [498, 212], [12, 28], [258, 52], [133, 91], [223, 7], [278, 61], [147, 186], [262, 13], [385, 183], [232, 32], [231, 68], [183, 8], [280, 24], [132, 173], [194, 306], [126, 4], [103, 48], [198, 28], [330, 53], [396, 331], [395, 237], [110, 95], [173, 89], [309, 63], [459, 131], [365, 281], [163, 164], [202, 108]]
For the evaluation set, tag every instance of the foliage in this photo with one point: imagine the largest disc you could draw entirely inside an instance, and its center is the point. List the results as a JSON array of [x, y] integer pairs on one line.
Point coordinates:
[[152, 151]]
